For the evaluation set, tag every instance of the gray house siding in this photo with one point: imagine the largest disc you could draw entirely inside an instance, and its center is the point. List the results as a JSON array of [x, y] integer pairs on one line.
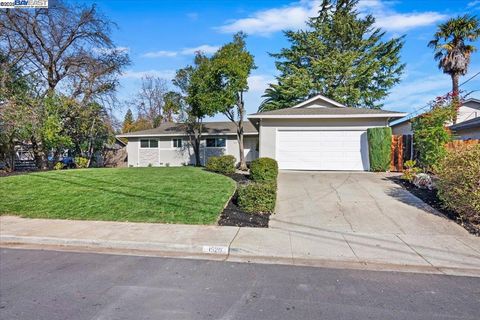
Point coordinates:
[[166, 155]]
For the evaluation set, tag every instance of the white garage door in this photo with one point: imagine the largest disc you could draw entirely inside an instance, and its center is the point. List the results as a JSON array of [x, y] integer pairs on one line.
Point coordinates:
[[322, 150]]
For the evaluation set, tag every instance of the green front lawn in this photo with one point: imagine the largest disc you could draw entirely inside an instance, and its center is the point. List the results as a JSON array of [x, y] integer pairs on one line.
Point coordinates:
[[171, 195]]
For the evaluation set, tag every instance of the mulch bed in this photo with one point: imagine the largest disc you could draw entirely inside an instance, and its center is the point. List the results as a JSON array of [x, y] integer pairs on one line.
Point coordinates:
[[232, 215], [4, 173], [431, 198]]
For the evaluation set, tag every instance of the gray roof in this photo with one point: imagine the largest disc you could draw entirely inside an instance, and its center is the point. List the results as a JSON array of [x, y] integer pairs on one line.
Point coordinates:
[[209, 128], [346, 111], [472, 123]]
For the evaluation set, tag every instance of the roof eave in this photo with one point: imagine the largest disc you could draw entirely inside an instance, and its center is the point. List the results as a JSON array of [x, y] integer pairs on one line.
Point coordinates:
[[328, 116], [126, 135]]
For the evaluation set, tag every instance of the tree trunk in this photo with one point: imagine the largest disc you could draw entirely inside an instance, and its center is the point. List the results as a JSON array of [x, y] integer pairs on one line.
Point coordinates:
[[455, 96], [241, 111], [38, 154]]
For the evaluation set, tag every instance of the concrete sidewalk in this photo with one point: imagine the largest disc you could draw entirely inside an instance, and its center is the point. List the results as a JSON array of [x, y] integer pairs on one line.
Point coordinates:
[[447, 254]]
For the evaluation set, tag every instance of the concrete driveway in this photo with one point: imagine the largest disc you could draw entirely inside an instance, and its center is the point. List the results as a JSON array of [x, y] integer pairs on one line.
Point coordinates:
[[354, 202]]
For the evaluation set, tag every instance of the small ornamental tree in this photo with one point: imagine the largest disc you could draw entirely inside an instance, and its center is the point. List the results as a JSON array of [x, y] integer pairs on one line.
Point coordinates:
[[431, 133]]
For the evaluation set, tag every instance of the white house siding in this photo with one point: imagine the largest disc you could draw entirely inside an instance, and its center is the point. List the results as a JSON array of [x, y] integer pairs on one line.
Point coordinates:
[[403, 128], [167, 155], [468, 111], [269, 128], [132, 151]]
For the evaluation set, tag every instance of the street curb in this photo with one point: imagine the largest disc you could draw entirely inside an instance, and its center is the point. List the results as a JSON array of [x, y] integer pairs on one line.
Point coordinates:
[[196, 252]]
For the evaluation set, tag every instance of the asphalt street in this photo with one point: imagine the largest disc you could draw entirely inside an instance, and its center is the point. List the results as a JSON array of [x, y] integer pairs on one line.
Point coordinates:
[[50, 285]]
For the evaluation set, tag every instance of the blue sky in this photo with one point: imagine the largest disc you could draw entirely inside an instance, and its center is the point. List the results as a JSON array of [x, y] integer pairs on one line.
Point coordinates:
[[162, 36]]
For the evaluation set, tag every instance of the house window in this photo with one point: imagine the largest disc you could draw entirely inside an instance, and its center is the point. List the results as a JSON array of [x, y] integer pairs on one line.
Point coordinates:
[[148, 143], [177, 143], [215, 142]]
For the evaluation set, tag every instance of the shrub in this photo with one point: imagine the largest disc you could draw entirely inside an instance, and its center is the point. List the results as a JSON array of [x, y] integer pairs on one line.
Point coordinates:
[[379, 148], [257, 197], [411, 170], [81, 162], [264, 169], [431, 135], [222, 164], [423, 181], [58, 166], [459, 182]]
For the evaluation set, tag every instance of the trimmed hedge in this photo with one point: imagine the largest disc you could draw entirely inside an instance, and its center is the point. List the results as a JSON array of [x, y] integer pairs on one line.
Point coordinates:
[[264, 169], [222, 164], [257, 197], [379, 148], [459, 182]]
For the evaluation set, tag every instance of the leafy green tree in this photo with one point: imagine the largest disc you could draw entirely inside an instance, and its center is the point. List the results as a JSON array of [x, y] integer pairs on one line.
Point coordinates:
[[431, 133], [172, 105], [194, 106], [128, 122], [341, 56], [452, 50], [227, 82]]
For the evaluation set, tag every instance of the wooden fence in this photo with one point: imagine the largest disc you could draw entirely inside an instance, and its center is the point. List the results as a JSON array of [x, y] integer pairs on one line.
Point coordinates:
[[457, 144], [402, 150]]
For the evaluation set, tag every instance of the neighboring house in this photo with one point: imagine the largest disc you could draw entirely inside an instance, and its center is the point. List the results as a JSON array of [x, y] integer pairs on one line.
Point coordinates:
[[168, 145], [317, 134], [467, 130], [469, 110]]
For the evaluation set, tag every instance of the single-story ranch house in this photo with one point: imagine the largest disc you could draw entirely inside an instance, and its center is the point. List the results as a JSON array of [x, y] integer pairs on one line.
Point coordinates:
[[317, 134]]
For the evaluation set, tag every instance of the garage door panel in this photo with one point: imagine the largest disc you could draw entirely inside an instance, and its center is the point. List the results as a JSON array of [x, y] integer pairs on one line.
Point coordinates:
[[322, 150]]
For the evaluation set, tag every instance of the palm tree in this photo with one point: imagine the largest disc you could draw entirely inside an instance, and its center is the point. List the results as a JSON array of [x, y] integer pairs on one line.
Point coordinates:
[[451, 49]]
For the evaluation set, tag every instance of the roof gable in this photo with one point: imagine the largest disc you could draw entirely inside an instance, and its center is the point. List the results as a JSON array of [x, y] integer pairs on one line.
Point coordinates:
[[319, 101]]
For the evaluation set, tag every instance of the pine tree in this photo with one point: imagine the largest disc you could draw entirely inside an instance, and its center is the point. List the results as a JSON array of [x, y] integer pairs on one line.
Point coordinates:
[[341, 56], [128, 122]]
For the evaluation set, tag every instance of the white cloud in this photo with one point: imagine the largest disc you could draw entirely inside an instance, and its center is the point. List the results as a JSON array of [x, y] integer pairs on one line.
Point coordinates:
[[265, 22], [294, 16], [166, 74], [473, 3], [205, 48], [259, 82], [390, 20]]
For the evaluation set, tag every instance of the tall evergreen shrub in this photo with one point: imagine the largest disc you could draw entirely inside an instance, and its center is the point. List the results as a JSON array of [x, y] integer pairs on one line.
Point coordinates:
[[379, 148]]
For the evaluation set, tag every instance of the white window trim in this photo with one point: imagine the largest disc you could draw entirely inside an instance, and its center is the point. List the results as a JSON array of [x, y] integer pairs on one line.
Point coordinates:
[[140, 144], [216, 139], [173, 144]]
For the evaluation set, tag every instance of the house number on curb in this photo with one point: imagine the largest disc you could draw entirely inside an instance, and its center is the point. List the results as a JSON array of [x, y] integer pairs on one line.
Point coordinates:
[[215, 249]]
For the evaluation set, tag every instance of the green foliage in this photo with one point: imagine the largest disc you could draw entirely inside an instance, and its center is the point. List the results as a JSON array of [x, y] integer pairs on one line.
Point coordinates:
[[58, 166], [257, 197], [341, 55], [411, 170], [450, 45], [128, 122], [264, 169], [379, 148], [431, 135], [81, 162], [222, 164], [459, 182]]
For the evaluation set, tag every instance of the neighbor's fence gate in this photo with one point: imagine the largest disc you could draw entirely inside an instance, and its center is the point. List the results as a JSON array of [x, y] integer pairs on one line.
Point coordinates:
[[402, 150]]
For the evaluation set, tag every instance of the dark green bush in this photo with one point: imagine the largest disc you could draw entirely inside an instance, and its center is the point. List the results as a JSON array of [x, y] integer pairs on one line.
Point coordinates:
[[257, 197], [222, 164], [264, 169], [379, 148], [458, 182]]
